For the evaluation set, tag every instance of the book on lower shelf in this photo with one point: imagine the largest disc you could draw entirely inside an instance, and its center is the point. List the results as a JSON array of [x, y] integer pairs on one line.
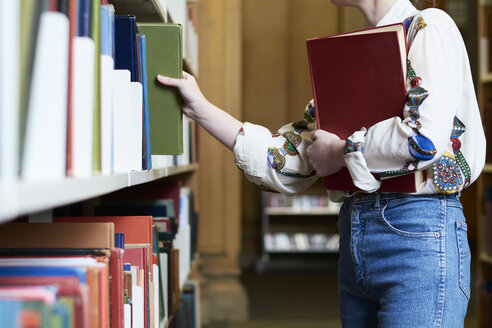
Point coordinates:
[[134, 265]]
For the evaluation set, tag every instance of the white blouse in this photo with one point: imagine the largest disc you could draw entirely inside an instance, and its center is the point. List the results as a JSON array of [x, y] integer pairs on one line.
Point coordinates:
[[440, 137]]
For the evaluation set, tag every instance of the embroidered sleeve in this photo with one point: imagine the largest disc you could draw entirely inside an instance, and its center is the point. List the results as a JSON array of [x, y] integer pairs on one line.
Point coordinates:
[[399, 146], [277, 161]]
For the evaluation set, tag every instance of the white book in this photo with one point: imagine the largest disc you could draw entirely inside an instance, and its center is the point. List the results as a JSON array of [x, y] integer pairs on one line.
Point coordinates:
[[164, 279], [82, 106], [127, 310], [107, 68], [46, 126], [122, 99], [159, 161], [134, 135], [9, 90], [137, 307], [184, 159], [156, 295]]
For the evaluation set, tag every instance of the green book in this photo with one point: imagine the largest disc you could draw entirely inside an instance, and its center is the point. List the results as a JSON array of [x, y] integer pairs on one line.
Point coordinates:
[[96, 36], [165, 57]]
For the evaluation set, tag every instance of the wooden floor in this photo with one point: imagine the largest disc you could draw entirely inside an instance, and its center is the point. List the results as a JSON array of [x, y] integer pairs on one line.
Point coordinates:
[[302, 299]]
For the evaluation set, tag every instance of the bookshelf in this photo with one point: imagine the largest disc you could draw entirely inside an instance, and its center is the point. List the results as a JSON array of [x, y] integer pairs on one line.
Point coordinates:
[[23, 199], [293, 227]]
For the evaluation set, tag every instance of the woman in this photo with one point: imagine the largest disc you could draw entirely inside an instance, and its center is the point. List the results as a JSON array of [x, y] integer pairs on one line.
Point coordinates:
[[404, 258]]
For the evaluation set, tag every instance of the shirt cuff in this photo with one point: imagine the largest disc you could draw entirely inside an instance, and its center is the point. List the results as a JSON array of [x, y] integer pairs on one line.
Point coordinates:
[[357, 165], [251, 148]]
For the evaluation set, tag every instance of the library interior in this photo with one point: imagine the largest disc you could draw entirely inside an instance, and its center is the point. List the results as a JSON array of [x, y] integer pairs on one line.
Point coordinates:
[[116, 210]]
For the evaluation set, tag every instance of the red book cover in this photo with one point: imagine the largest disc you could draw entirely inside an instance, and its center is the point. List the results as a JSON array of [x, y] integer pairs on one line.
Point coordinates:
[[117, 288], [138, 257], [137, 229], [358, 80], [72, 16]]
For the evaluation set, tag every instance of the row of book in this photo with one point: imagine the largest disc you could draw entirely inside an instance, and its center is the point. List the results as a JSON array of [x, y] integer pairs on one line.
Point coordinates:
[[300, 242], [128, 267], [301, 202], [78, 94]]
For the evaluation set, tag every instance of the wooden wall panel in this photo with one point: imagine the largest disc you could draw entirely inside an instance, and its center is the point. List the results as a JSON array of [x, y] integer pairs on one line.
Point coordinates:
[[276, 85], [220, 81]]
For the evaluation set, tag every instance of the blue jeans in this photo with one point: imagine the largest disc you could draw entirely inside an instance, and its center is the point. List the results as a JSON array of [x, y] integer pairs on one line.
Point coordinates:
[[404, 261]]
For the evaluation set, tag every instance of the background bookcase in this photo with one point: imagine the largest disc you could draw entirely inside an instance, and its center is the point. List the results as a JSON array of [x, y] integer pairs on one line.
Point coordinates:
[[297, 229]]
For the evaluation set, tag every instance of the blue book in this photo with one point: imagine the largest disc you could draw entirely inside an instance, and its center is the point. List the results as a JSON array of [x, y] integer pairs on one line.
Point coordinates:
[[126, 55], [40, 271], [9, 312], [106, 30], [84, 18], [146, 154]]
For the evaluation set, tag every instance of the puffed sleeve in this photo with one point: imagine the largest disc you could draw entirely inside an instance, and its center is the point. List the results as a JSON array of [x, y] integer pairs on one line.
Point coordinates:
[[277, 161], [434, 86]]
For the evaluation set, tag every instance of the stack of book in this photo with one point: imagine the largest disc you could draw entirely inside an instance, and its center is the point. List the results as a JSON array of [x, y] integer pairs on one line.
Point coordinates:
[[128, 268], [81, 97]]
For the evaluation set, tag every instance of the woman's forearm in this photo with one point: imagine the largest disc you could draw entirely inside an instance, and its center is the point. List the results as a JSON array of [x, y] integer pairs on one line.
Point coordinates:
[[220, 124]]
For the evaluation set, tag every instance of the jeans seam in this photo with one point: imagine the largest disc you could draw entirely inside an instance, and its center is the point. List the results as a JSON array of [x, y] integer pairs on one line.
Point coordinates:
[[442, 266]]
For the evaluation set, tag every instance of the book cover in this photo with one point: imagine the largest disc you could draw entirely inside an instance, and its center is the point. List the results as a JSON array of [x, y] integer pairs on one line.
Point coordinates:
[[44, 153], [358, 80], [10, 25], [122, 98], [126, 45], [57, 235], [146, 151], [164, 56], [107, 67], [96, 130]]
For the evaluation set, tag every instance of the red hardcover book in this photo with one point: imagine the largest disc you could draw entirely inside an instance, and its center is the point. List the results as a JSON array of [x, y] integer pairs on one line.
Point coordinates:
[[72, 16], [358, 80], [117, 288]]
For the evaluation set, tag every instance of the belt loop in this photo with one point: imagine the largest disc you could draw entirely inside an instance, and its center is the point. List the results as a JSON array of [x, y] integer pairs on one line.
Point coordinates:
[[376, 200]]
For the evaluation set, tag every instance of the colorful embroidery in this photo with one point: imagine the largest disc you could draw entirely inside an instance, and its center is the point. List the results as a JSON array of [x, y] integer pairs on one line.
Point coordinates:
[[276, 158], [302, 124], [308, 117], [410, 72], [265, 188], [351, 146], [421, 148], [447, 179], [407, 23], [420, 24], [409, 167], [293, 140], [458, 129], [415, 98], [296, 175], [310, 114], [241, 132]]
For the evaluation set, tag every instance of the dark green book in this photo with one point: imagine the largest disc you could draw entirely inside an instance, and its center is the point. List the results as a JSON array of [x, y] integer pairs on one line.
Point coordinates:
[[165, 57]]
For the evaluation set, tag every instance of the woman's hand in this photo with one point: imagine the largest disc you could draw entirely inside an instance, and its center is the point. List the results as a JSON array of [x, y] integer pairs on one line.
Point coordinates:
[[194, 102], [214, 120], [326, 152]]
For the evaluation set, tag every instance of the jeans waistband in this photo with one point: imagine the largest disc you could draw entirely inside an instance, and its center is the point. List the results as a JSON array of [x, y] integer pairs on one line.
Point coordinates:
[[360, 197]]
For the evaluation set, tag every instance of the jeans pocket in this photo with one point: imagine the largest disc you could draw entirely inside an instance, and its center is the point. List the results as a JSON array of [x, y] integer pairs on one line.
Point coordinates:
[[407, 223], [464, 257]]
